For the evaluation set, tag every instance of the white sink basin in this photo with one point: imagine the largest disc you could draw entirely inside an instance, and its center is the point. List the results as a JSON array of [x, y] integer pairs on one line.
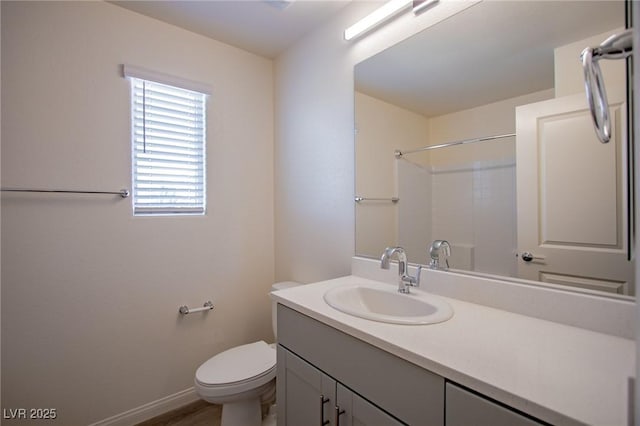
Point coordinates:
[[385, 304]]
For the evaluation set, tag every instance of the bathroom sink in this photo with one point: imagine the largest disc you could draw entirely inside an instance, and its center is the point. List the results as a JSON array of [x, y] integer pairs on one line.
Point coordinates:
[[379, 303]]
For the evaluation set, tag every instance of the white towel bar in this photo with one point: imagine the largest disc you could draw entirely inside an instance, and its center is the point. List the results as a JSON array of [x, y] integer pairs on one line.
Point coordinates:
[[184, 309]]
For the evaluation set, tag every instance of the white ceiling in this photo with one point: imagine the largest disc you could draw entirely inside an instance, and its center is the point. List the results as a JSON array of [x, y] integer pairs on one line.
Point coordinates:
[[491, 51], [264, 27]]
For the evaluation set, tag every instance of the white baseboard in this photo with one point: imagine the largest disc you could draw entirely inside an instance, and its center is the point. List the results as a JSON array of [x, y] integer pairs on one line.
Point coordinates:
[[151, 409]]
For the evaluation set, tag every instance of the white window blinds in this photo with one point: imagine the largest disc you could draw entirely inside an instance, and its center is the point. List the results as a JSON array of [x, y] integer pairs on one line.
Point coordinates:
[[169, 129]]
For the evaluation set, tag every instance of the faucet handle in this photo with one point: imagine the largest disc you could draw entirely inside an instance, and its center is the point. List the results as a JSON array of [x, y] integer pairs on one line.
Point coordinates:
[[412, 281], [417, 277]]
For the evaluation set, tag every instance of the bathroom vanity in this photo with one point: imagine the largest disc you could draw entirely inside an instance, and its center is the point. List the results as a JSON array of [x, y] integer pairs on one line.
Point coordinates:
[[483, 366]]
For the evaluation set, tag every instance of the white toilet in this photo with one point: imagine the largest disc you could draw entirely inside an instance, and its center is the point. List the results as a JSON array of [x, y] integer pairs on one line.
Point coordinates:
[[241, 378]]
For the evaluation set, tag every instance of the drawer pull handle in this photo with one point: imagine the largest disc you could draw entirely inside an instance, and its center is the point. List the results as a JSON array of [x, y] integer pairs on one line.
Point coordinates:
[[323, 401], [339, 412]]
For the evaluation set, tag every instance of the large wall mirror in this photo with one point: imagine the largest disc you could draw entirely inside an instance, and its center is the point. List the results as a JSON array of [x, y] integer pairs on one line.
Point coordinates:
[[545, 186]]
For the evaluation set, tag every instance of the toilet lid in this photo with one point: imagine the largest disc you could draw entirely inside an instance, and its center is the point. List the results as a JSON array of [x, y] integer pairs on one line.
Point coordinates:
[[237, 364]]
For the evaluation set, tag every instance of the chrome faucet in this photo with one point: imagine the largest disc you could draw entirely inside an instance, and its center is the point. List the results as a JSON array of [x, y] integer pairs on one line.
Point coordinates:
[[405, 281], [439, 248]]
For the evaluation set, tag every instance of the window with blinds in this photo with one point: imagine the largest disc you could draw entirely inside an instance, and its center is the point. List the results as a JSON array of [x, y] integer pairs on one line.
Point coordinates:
[[168, 148]]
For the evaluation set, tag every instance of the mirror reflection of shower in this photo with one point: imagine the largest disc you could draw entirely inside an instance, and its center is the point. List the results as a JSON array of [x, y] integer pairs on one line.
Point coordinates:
[[463, 193], [472, 203]]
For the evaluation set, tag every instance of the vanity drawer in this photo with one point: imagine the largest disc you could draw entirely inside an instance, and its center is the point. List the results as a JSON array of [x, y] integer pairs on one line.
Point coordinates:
[[466, 408], [404, 390]]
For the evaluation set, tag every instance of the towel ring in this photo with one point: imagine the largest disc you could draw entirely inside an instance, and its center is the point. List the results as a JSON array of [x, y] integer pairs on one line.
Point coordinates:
[[618, 46], [596, 95]]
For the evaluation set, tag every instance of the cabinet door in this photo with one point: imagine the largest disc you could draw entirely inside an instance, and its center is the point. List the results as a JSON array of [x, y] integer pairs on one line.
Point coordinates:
[[305, 395], [353, 410], [464, 408]]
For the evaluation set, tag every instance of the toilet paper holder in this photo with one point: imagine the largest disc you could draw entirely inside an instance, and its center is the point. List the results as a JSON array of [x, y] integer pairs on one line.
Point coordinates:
[[184, 309]]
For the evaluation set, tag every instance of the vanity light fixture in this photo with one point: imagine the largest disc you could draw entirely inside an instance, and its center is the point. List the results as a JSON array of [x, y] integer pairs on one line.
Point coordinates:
[[420, 6], [375, 18], [279, 4]]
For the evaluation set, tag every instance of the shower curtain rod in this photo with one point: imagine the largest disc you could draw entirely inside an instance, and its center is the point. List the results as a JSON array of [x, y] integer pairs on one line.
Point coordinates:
[[124, 193], [398, 153]]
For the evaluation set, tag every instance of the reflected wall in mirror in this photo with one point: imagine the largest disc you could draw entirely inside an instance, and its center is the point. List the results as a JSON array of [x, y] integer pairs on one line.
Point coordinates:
[[551, 189]]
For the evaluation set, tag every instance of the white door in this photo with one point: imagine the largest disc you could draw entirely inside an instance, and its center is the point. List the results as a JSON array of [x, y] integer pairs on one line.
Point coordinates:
[[572, 196]]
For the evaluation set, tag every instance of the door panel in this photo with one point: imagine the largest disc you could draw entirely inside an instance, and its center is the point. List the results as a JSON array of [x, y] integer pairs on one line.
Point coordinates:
[[572, 196], [579, 189], [609, 286]]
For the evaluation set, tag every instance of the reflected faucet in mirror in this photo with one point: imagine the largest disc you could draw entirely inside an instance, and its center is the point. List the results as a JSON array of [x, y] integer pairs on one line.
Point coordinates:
[[438, 250], [405, 281]]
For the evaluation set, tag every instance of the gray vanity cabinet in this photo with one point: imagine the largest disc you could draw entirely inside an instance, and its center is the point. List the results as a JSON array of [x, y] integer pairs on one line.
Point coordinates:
[[313, 398], [327, 377], [465, 408], [372, 386]]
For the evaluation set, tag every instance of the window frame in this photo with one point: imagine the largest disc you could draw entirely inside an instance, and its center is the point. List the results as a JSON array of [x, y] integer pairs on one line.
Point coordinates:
[[160, 82]]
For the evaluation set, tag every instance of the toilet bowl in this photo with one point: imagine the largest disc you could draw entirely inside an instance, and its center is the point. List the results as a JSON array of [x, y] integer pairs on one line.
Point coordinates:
[[241, 378]]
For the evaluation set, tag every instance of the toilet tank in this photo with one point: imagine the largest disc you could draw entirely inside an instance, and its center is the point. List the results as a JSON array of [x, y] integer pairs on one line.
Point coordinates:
[[279, 286]]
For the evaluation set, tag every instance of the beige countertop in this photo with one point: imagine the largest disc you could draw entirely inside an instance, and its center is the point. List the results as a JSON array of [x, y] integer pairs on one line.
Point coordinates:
[[558, 373]]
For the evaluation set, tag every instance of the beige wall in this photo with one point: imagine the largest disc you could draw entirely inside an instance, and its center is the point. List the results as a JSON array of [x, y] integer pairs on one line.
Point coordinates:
[[496, 118], [568, 73], [89, 293]]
